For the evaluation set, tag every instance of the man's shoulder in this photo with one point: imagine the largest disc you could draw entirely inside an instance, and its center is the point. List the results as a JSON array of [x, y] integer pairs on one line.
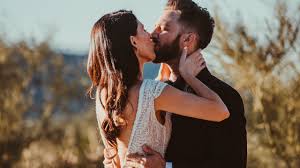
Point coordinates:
[[231, 97], [225, 87]]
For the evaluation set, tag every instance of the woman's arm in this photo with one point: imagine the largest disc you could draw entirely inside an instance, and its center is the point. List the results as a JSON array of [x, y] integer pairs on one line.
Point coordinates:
[[189, 68], [207, 105], [186, 104]]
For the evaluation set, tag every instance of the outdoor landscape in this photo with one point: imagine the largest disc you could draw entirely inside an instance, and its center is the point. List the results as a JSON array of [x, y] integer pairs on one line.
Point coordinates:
[[47, 119]]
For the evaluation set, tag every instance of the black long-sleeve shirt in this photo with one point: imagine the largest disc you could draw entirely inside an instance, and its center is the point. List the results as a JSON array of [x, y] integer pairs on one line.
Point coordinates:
[[205, 144]]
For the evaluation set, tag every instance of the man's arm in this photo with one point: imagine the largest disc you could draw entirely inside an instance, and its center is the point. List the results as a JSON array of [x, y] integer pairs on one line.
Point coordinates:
[[234, 135], [239, 140]]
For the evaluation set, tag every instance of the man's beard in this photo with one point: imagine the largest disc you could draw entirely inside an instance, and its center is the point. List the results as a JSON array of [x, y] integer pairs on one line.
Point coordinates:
[[168, 52]]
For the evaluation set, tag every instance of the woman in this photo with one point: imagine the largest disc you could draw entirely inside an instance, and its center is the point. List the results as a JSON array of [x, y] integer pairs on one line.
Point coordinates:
[[129, 109]]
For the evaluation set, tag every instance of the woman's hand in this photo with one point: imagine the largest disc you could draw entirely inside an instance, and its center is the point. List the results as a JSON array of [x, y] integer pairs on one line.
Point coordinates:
[[191, 65]]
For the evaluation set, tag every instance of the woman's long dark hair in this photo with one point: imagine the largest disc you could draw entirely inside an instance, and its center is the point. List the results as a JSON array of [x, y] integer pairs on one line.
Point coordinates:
[[112, 65]]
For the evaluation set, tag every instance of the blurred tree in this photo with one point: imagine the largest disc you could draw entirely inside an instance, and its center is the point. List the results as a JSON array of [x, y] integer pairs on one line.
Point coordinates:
[[35, 84], [267, 74]]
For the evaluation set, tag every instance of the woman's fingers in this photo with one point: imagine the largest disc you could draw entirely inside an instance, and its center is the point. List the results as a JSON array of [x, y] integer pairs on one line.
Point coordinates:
[[183, 56], [197, 62], [193, 63]]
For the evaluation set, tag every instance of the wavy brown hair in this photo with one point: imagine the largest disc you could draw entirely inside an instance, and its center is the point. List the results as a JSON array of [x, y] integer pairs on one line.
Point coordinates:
[[113, 67]]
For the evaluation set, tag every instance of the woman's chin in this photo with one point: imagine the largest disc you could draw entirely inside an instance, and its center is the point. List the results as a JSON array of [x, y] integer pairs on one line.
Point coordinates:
[[150, 60], [151, 57]]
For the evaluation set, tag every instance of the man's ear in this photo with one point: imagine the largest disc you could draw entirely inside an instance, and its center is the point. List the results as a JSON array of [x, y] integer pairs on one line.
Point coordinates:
[[132, 40], [190, 38]]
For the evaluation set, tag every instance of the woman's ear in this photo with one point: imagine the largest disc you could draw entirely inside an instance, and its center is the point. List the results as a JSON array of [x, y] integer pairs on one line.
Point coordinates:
[[132, 40]]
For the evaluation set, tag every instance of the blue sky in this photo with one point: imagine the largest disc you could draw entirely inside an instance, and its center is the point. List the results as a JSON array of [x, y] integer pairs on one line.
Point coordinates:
[[70, 21]]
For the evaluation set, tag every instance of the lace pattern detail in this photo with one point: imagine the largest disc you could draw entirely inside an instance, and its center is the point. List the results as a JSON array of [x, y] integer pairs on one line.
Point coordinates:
[[146, 128]]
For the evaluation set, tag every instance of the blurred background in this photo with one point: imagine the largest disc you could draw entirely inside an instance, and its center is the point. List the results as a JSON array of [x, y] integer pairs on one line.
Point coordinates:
[[46, 119]]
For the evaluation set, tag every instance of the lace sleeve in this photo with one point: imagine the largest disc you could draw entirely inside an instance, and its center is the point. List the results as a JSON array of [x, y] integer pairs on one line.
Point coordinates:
[[146, 129], [158, 88]]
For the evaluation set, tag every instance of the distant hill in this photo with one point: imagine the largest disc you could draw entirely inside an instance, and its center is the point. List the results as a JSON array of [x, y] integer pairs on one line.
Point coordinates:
[[75, 78], [79, 61]]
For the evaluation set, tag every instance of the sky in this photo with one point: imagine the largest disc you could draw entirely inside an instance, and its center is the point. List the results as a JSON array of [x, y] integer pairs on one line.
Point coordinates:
[[69, 22]]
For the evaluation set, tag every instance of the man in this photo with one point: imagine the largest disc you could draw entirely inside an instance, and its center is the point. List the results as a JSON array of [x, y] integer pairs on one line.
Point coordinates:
[[195, 143]]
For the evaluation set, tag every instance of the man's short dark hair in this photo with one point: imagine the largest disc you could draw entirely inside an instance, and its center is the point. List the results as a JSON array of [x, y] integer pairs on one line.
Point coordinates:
[[195, 17]]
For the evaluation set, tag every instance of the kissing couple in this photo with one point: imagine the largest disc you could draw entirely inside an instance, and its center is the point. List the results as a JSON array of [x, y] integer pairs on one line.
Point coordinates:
[[186, 117]]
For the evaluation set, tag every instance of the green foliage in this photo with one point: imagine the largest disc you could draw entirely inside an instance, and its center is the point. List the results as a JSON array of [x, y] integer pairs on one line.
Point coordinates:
[[267, 74], [43, 141]]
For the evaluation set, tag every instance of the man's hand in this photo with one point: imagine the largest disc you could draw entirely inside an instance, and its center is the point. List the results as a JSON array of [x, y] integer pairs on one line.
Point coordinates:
[[152, 159]]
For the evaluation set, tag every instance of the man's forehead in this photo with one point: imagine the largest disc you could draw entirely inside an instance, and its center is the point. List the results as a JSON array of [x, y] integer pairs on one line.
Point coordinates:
[[169, 17]]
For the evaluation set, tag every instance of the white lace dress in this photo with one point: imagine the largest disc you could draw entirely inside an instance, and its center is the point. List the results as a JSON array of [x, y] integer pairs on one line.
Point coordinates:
[[146, 127]]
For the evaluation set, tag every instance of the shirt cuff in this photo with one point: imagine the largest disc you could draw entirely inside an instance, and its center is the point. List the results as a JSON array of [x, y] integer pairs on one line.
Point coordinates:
[[169, 165]]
